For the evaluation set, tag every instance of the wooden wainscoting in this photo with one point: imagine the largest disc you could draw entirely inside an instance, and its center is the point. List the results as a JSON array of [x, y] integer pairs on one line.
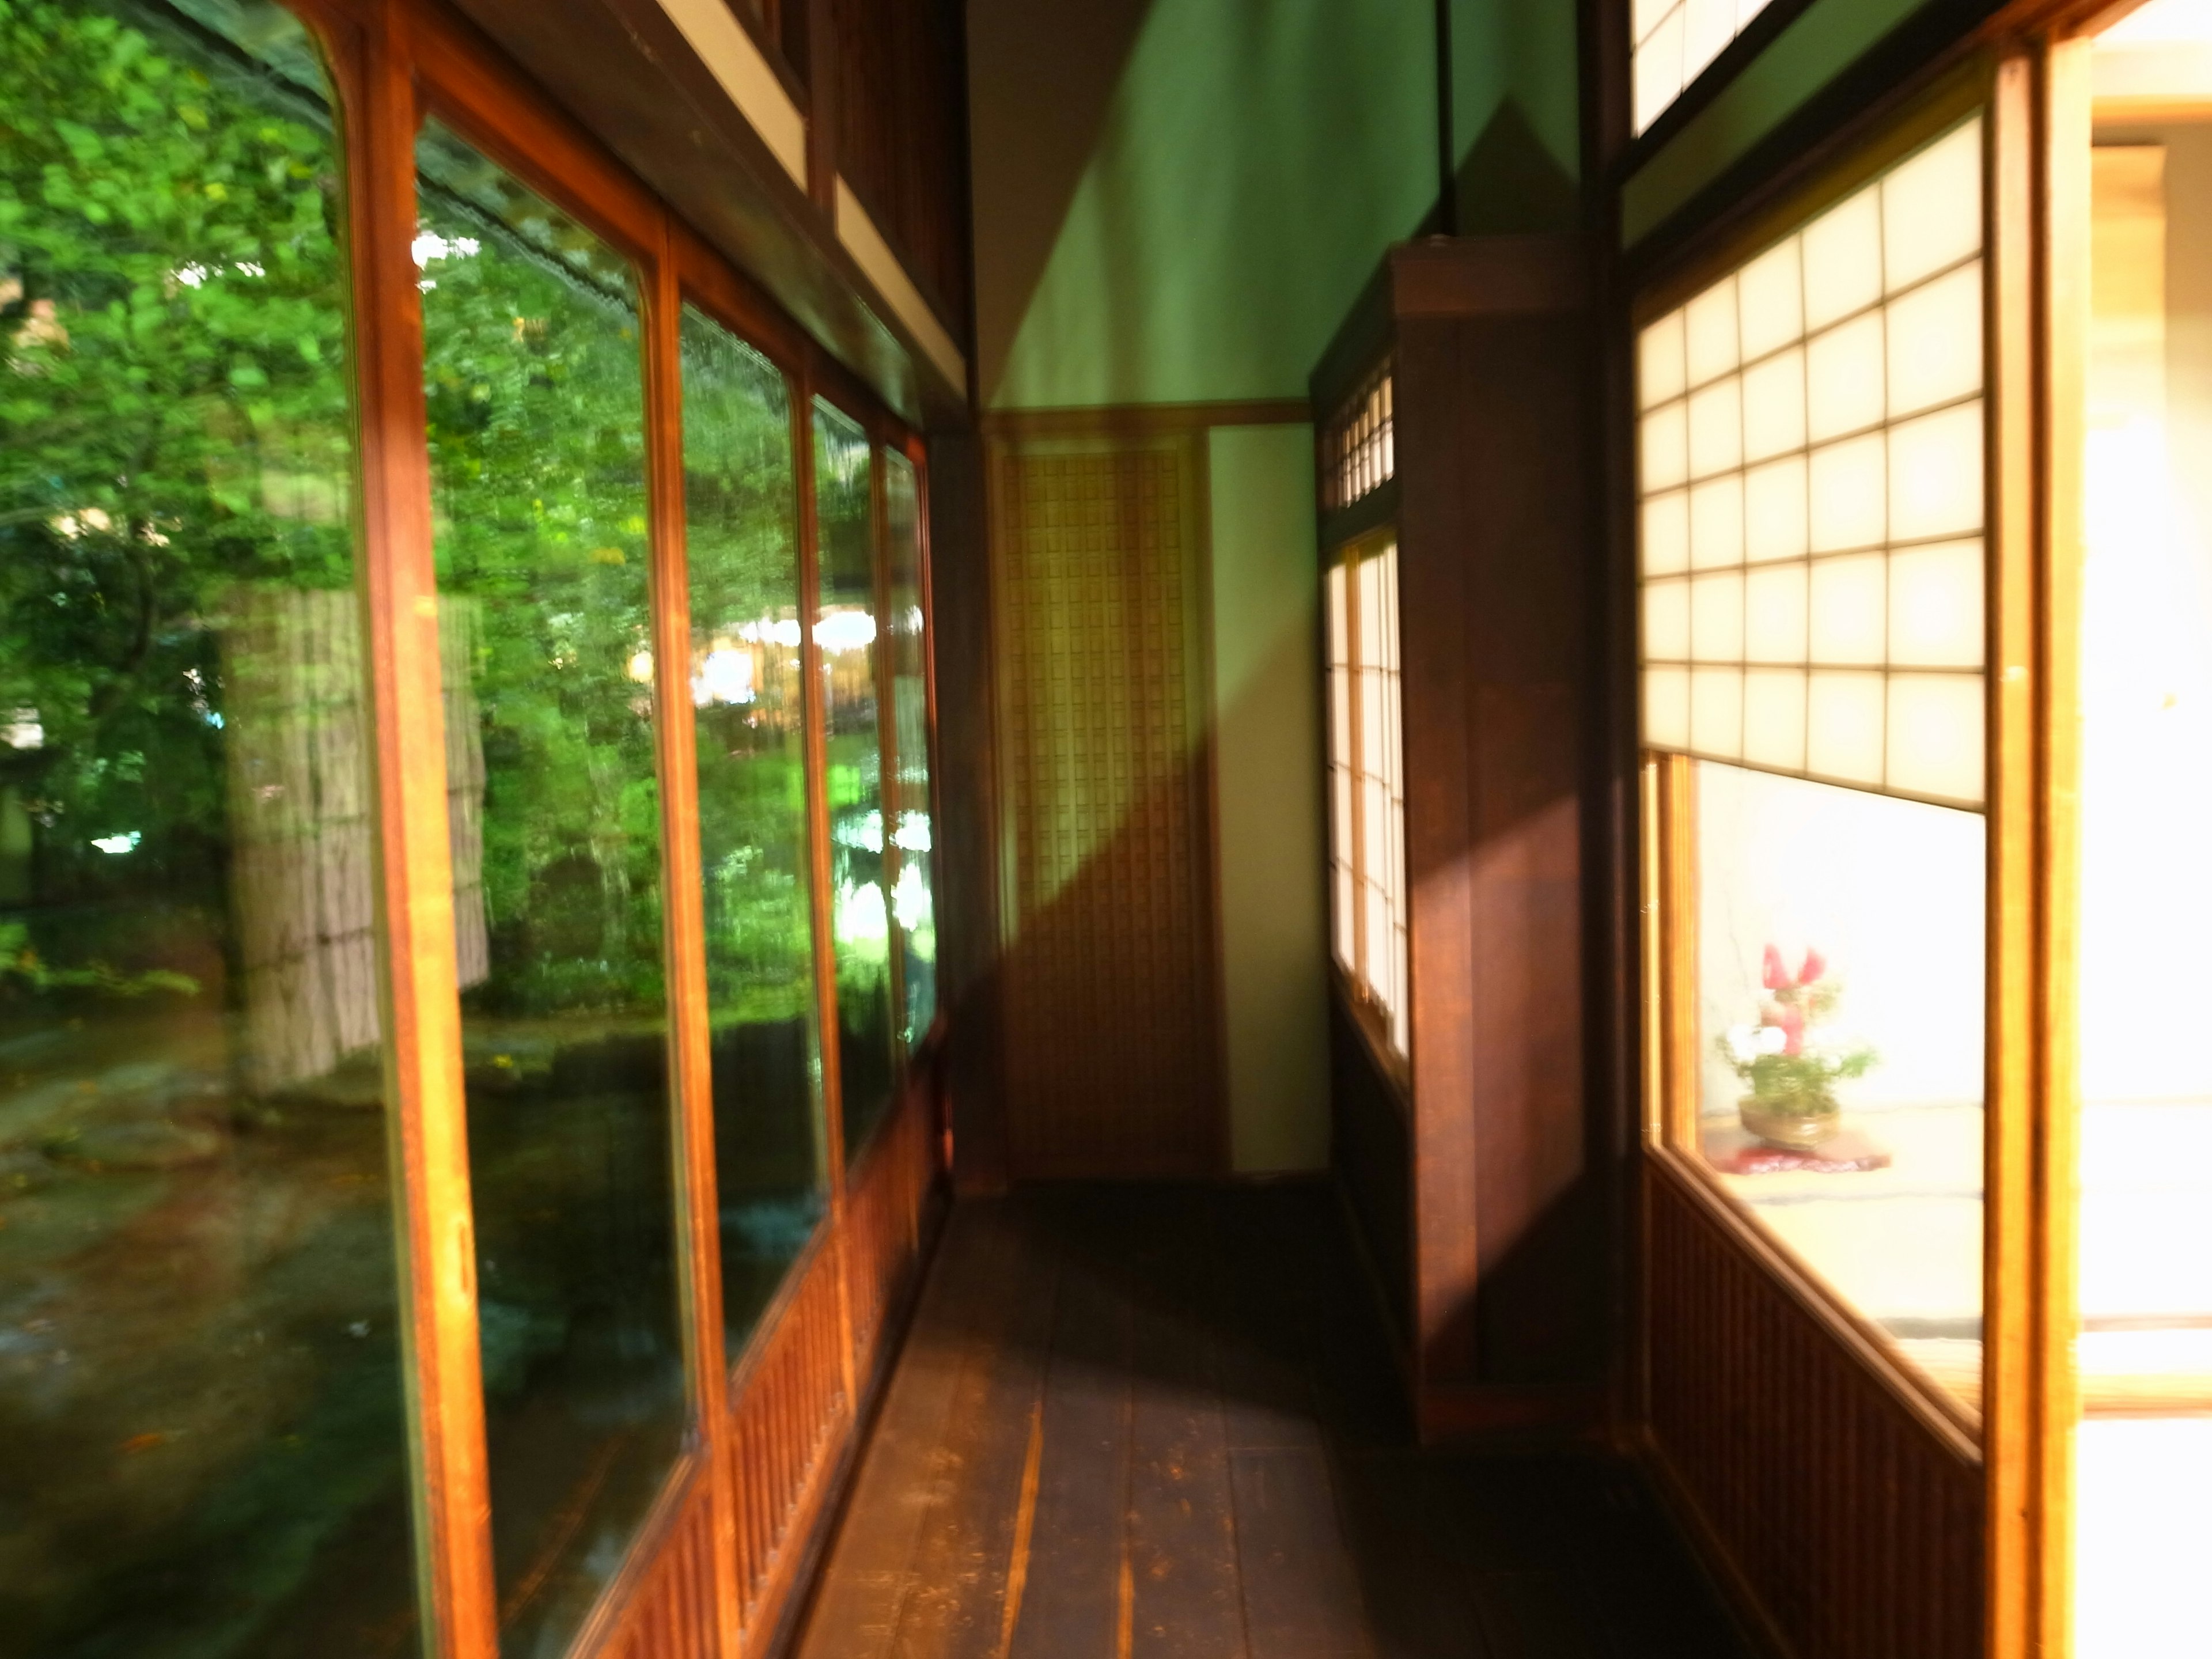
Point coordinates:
[[1849, 1519], [884, 1204], [710, 1584], [791, 1414], [676, 1610]]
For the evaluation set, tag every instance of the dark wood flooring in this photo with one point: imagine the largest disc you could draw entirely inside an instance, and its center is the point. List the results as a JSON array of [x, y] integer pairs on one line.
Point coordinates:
[[1153, 1421]]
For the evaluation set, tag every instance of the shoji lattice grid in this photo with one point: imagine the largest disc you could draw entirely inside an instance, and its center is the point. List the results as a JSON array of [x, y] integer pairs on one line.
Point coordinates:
[[1367, 787], [1343, 882], [1359, 450], [1675, 40], [1811, 495]]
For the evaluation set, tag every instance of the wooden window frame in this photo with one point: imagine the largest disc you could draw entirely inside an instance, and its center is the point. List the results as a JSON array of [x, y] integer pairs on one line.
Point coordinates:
[[2029, 82], [1365, 1008], [392, 64]]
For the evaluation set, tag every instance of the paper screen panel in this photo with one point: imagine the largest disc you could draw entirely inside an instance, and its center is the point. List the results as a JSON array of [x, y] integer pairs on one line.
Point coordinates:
[[1673, 43], [1367, 788], [1811, 493], [1343, 902]]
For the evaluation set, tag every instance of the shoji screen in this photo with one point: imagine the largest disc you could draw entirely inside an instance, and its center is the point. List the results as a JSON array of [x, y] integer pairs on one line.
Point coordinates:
[[1811, 495], [1673, 41]]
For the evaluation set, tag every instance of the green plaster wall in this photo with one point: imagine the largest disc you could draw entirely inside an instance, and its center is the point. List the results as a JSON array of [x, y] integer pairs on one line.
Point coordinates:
[[1824, 41], [1267, 697], [1177, 201], [1246, 164], [1516, 126]]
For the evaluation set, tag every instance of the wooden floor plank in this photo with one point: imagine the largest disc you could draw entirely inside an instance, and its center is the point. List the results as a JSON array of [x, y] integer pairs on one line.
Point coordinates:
[[1537, 1615], [1182, 1533], [1302, 1597], [1418, 1594], [856, 1607], [1160, 1421], [955, 1599], [1076, 1587]]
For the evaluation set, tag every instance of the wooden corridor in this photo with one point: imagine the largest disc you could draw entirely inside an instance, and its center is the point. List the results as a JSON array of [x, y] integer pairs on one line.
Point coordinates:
[[1162, 1421]]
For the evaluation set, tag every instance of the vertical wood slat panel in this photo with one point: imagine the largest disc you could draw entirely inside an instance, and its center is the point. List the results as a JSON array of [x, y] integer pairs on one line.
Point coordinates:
[[786, 1414], [882, 1217], [1110, 1019], [1855, 1526], [790, 1418], [673, 1612]]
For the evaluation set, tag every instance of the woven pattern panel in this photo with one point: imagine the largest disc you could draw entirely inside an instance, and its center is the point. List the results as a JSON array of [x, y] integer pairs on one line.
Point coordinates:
[[1860, 1532], [1111, 1031]]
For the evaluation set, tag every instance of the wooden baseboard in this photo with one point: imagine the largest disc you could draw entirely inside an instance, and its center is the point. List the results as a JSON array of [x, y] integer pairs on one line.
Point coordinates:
[[1744, 1607], [1455, 1413]]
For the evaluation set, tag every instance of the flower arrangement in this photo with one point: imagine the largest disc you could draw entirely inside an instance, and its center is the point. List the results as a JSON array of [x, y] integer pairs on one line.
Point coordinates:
[[1792, 1075]]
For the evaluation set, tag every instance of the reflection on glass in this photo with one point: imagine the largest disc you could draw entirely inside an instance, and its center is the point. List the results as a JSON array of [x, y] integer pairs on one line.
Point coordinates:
[[1840, 975], [912, 901], [536, 446], [2144, 1450], [203, 1449], [741, 510], [846, 631]]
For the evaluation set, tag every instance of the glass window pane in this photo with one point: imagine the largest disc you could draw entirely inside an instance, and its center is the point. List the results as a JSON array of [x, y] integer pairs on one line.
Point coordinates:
[[846, 630], [203, 1441], [1839, 940], [913, 902], [537, 473], [747, 693]]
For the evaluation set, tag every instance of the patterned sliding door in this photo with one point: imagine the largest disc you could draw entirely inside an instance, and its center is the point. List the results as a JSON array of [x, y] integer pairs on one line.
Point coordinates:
[[1112, 1027]]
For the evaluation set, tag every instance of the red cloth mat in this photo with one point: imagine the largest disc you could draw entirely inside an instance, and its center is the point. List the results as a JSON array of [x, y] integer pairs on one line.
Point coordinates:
[[1732, 1151]]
